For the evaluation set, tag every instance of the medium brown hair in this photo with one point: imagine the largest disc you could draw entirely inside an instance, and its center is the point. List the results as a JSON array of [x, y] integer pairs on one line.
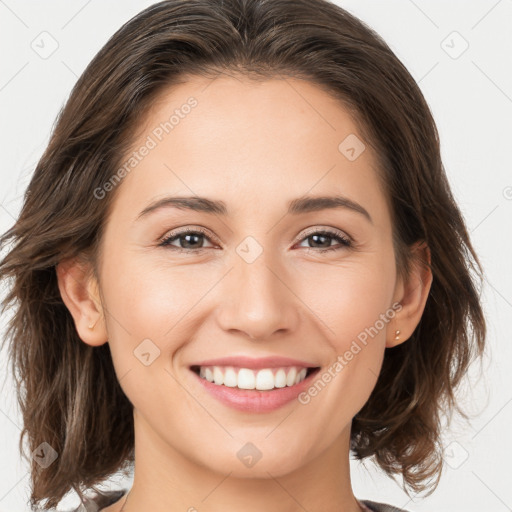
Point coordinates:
[[68, 391]]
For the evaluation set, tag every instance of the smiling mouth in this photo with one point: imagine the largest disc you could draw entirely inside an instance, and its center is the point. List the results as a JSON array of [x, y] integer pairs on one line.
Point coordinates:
[[264, 379]]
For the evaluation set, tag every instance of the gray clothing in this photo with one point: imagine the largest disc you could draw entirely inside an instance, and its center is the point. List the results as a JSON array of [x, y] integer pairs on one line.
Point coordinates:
[[381, 507]]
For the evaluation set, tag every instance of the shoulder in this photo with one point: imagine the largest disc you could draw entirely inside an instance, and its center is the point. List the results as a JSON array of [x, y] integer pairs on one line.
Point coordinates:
[[96, 501], [380, 507]]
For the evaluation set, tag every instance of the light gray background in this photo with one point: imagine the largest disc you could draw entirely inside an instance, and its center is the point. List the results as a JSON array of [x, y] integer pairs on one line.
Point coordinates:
[[470, 94]]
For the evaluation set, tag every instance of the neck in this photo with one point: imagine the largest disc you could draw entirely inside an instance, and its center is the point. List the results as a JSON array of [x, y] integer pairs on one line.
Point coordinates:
[[166, 480]]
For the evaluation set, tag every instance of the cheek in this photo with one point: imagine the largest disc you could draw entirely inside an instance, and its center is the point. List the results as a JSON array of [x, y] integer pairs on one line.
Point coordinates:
[[353, 308], [149, 301], [140, 308], [349, 299], [147, 323], [153, 311]]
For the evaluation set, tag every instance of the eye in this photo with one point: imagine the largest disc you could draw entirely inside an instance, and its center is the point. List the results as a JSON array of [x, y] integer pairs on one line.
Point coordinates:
[[190, 240], [193, 240], [322, 241]]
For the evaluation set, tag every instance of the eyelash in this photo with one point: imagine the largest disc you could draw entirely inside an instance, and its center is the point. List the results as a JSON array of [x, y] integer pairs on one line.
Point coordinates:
[[344, 242]]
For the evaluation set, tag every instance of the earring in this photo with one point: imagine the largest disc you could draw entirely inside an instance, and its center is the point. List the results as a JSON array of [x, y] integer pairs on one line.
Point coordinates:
[[397, 337], [90, 326]]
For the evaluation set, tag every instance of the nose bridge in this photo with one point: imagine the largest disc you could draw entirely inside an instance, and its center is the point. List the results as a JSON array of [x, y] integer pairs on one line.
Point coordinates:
[[258, 301]]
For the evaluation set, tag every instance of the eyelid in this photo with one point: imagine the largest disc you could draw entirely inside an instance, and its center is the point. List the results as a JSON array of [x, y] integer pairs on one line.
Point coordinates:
[[173, 233], [186, 229], [332, 231]]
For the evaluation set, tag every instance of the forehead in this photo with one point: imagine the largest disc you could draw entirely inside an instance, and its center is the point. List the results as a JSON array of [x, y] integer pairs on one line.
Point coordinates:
[[245, 140]]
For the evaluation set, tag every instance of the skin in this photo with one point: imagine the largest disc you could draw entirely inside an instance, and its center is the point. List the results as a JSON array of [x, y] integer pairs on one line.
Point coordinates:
[[254, 146]]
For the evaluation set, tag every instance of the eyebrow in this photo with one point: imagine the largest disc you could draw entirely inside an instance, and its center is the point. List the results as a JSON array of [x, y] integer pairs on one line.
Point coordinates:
[[295, 206]]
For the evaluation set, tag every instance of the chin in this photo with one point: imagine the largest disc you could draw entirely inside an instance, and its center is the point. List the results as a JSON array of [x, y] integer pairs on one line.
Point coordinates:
[[251, 461]]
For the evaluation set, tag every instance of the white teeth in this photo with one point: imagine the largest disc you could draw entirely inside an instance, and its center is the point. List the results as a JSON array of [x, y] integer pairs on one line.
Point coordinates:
[[300, 376], [290, 378], [218, 376], [245, 378], [265, 380], [280, 378], [230, 379]]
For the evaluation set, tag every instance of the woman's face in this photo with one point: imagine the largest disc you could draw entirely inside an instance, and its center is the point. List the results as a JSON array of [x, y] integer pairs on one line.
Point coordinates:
[[256, 282]]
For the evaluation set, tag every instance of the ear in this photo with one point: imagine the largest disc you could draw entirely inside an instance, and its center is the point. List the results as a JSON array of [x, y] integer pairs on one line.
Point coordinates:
[[412, 294], [80, 292]]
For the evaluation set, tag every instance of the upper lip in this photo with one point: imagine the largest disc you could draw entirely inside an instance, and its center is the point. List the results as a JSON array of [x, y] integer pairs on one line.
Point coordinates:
[[255, 363]]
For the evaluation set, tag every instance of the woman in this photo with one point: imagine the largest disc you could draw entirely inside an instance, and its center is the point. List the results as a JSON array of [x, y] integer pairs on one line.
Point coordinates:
[[238, 262]]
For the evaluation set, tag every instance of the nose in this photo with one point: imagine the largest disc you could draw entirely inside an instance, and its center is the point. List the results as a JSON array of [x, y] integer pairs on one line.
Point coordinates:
[[257, 300]]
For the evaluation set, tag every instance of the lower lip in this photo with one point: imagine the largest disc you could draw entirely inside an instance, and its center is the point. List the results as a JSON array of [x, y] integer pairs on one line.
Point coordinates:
[[253, 400]]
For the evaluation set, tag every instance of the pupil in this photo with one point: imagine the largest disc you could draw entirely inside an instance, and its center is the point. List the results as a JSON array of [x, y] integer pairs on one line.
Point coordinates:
[[187, 237], [315, 238]]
